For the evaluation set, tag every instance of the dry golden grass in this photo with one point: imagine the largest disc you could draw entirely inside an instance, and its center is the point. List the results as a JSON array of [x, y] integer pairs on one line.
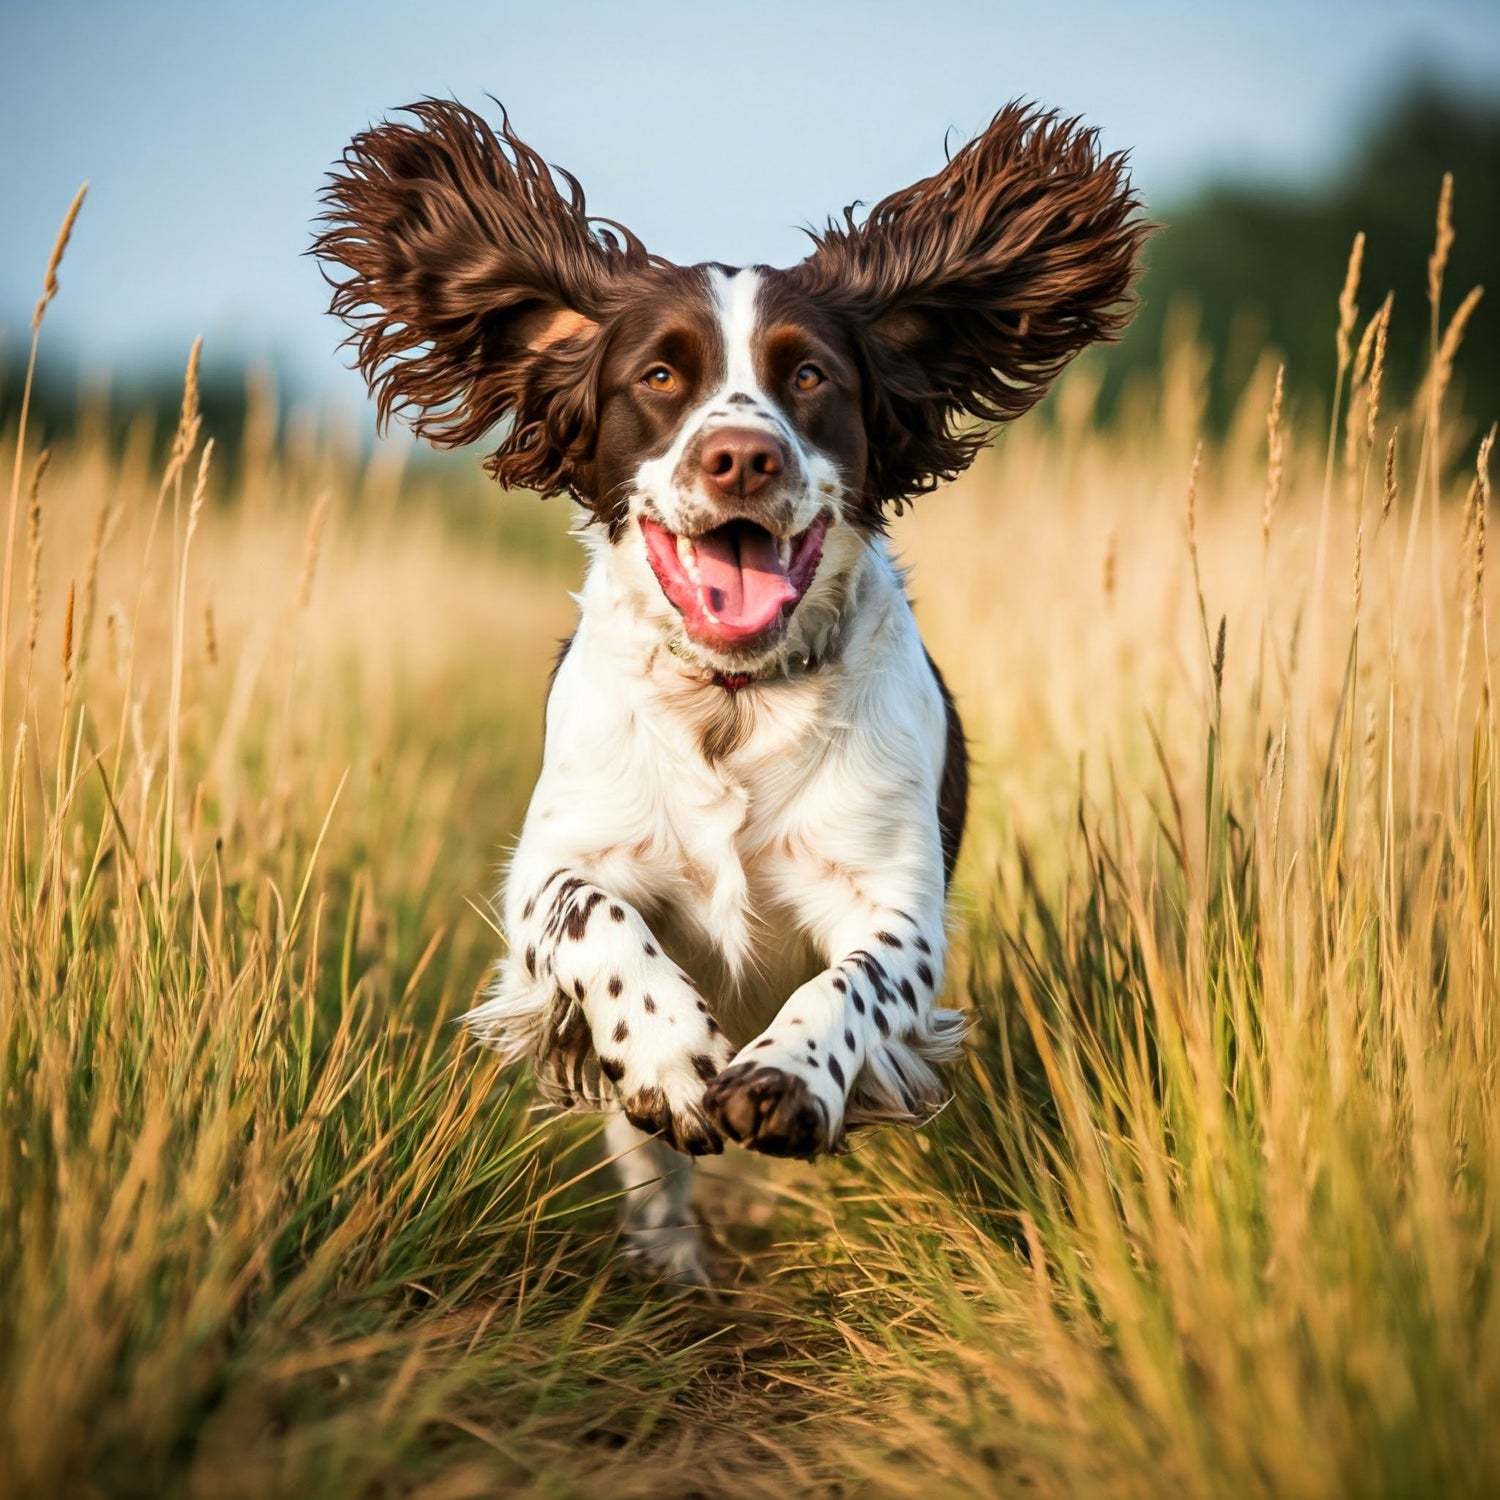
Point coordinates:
[[1212, 1210]]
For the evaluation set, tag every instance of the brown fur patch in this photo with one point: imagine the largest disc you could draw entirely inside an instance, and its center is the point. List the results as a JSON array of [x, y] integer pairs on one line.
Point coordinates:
[[724, 723], [953, 789], [577, 921]]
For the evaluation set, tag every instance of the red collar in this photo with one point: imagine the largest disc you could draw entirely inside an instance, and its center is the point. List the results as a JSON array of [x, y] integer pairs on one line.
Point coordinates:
[[732, 682]]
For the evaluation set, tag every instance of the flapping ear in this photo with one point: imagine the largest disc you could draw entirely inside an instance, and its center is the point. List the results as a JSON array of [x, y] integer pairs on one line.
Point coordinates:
[[970, 291], [477, 288]]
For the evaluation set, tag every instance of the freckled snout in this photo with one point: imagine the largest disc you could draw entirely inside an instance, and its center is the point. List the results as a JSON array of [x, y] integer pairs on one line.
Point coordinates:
[[741, 461]]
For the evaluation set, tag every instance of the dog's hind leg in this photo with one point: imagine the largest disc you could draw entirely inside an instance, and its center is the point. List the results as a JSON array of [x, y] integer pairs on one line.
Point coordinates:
[[660, 1229]]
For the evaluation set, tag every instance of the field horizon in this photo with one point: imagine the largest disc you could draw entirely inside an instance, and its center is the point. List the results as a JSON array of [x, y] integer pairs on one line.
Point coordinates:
[[1211, 1212]]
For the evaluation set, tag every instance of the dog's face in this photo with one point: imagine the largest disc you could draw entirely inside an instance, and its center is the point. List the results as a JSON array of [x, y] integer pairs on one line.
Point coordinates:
[[733, 432], [731, 442]]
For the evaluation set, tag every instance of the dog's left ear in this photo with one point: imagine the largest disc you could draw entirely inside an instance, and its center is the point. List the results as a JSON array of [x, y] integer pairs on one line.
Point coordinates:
[[476, 288], [970, 291]]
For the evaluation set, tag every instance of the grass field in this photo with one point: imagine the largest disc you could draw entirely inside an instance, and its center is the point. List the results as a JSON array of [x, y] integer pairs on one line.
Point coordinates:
[[1213, 1210]]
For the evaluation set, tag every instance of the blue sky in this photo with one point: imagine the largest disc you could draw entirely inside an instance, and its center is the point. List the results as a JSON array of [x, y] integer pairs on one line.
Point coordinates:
[[714, 130]]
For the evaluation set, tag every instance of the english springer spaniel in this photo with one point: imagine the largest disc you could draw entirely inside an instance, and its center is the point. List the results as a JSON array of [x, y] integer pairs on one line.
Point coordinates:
[[725, 911]]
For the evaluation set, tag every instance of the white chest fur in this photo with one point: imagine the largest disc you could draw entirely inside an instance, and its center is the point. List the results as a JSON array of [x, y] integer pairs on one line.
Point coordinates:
[[699, 865], [701, 807], [720, 877]]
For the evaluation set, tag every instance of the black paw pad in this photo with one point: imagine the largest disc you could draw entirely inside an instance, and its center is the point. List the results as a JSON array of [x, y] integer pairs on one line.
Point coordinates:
[[767, 1110]]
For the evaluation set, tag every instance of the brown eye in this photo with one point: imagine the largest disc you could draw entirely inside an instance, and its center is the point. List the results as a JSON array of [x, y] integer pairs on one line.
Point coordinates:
[[808, 378], [660, 378]]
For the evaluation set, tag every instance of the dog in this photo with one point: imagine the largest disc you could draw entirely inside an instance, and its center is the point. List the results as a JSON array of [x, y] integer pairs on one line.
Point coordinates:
[[725, 913]]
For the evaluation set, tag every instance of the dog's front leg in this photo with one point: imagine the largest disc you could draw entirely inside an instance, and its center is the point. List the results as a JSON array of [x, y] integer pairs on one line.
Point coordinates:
[[856, 1043], [594, 954]]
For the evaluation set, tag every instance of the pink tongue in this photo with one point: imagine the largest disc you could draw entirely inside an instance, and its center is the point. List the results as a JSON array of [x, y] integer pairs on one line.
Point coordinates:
[[740, 577]]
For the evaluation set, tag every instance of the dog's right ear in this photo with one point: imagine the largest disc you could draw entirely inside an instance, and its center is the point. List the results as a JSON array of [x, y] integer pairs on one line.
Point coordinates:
[[477, 288], [971, 290]]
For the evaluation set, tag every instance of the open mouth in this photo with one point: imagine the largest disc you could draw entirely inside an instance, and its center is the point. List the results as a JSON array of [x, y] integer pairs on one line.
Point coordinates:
[[737, 582]]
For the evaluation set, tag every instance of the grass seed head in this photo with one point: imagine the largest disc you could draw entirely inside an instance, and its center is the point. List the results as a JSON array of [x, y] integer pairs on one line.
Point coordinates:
[[1442, 364], [1382, 321], [67, 641], [190, 418], [1480, 529], [1362, 354], [59, 249], [34, 552], [1275, 457], [1437, 262], [1348, 306], [200, 487]]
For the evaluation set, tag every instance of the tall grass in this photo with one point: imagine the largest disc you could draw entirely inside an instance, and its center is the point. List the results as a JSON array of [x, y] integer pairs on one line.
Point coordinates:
[[1211, 1212]]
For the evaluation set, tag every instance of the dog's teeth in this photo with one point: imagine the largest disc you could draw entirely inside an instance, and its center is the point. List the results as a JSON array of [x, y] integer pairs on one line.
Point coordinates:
[[784, 552], [686, 553]]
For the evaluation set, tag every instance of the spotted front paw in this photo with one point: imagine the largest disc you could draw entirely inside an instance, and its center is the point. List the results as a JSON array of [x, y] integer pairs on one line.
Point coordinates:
[[778, 1107], [675, 1114], [660, 1066]]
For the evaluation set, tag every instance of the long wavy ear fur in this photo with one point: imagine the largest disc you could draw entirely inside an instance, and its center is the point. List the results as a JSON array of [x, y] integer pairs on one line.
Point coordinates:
[[971, 290], [476, 287]]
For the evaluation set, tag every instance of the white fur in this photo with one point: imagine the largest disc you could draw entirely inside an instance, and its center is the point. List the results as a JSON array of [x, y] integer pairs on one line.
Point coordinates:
[[737, 296], [701, 871]]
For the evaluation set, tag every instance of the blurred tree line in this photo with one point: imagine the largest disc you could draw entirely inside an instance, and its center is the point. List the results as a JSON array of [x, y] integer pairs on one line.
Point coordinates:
[[1261, 265], [65, 400], [1251, 265]]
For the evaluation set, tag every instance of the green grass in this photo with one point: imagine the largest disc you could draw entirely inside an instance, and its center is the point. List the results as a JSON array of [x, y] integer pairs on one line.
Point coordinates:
[[1211, 1212]]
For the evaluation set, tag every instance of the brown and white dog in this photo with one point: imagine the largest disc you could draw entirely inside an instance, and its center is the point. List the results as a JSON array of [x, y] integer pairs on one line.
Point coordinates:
[[725, 911]]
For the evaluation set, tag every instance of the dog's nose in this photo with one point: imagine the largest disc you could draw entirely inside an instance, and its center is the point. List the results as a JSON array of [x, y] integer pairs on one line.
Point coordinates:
[[741, 461]]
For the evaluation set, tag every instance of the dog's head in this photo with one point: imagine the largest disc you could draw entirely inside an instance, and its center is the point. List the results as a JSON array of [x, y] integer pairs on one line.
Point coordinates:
[[734, 433]]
